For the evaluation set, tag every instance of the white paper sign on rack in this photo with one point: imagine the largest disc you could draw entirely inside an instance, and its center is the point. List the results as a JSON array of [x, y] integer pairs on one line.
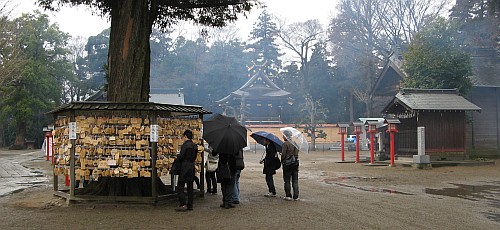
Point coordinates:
[[154, 133], [72, 130]]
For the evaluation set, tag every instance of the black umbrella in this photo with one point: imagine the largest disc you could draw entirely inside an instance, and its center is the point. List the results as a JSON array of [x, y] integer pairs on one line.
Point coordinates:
[[224, 134], [259, 136]]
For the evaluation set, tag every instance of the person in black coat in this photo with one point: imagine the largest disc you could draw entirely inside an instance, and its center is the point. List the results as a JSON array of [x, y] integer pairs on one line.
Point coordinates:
[[187, 156], [269, 170], [225, 176], [240, 165]]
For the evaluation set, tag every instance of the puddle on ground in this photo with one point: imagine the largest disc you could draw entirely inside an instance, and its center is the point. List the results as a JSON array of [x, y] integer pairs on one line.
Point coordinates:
[[489, 192], [352, 178], [338, 181], [469, 192], [30, 182]]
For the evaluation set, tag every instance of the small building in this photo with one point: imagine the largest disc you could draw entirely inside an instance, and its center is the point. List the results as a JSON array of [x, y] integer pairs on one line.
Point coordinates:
[[166, 96], [124, 147], [387, 85], [258, 101], [156, 95], [483, 132], [443, 114]]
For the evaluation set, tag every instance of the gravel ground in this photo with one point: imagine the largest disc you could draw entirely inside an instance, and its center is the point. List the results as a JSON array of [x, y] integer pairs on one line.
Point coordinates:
[[333, 196]]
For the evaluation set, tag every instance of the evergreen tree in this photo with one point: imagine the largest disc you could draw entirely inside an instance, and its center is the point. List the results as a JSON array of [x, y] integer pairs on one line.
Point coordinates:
[[263, 44], [39, 87], [323, 84], [94, 65], [226, 71], [435, 60], [479, 22], [131, 26]]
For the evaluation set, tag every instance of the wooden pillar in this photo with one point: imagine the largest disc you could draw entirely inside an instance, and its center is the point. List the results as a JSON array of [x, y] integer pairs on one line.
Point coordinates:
[[72, 137], [153, 142]]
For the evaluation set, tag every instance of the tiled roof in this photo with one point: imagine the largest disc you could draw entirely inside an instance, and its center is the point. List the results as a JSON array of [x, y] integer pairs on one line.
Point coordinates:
[[433, 99], [143, 106], [258, 86]]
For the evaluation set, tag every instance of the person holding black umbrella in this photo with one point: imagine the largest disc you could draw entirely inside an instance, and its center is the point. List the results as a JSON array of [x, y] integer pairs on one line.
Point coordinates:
[[225, 176], [187, 156], [269, 170]]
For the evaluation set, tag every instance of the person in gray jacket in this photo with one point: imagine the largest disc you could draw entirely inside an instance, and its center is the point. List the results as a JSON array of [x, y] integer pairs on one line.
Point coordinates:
[[290, 173]]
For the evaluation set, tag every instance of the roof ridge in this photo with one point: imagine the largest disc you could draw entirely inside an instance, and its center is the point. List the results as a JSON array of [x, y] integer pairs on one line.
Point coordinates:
[[428, 91]]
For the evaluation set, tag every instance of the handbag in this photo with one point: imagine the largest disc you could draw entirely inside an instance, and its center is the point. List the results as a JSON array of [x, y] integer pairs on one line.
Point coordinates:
[[290, 160], [176, 167], [277, 162], [212, 162]]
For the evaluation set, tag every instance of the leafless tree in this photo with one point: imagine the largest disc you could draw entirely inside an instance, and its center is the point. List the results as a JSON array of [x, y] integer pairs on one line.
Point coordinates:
[[365, 33], [300, 38], [223, 34], [11, 59], [403, 18], [72, 90]]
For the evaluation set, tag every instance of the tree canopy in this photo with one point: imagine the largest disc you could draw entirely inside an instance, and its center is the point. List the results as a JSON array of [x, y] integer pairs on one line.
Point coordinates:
[[478, 20], [435, 60], [263, 44], [132, 22], [40, 81], [164, 13]]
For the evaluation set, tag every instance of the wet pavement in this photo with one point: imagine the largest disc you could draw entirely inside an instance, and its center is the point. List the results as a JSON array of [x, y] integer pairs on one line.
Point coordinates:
[[343, 181], [489, 192], [15, 176]]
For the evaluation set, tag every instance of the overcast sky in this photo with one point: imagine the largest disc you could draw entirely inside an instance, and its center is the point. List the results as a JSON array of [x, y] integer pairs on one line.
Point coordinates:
[[80, 22]]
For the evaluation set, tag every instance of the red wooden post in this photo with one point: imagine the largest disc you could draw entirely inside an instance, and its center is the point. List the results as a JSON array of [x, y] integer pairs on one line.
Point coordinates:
[[52, 149], [342, 145], [47, 134], [358, 126], [372, 129], [66, 180], [357, 147], [391, 122], [392, 148], [47, 146], [372, 147], [342, 131]]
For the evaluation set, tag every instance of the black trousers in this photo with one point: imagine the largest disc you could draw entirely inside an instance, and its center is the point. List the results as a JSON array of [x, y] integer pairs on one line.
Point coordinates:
[[270, 183], [182, 194], [227, 191], [211, 182]]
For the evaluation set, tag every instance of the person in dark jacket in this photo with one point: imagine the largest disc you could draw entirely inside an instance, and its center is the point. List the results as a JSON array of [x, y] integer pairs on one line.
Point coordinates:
[[187, 156], [225, 176], [240, 165], [269, 170]]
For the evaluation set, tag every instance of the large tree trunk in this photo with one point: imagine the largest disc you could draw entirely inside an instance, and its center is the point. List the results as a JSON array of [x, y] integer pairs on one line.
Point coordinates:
[[2, 135], [19, 142], [128, 81], [129, 51]]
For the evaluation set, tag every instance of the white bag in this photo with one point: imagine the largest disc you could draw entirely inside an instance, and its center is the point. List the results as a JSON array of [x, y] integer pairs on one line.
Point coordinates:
[[212, 162]]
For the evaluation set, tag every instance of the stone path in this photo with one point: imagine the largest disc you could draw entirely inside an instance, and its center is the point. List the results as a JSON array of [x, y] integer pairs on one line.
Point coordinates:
[[14, 177]]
